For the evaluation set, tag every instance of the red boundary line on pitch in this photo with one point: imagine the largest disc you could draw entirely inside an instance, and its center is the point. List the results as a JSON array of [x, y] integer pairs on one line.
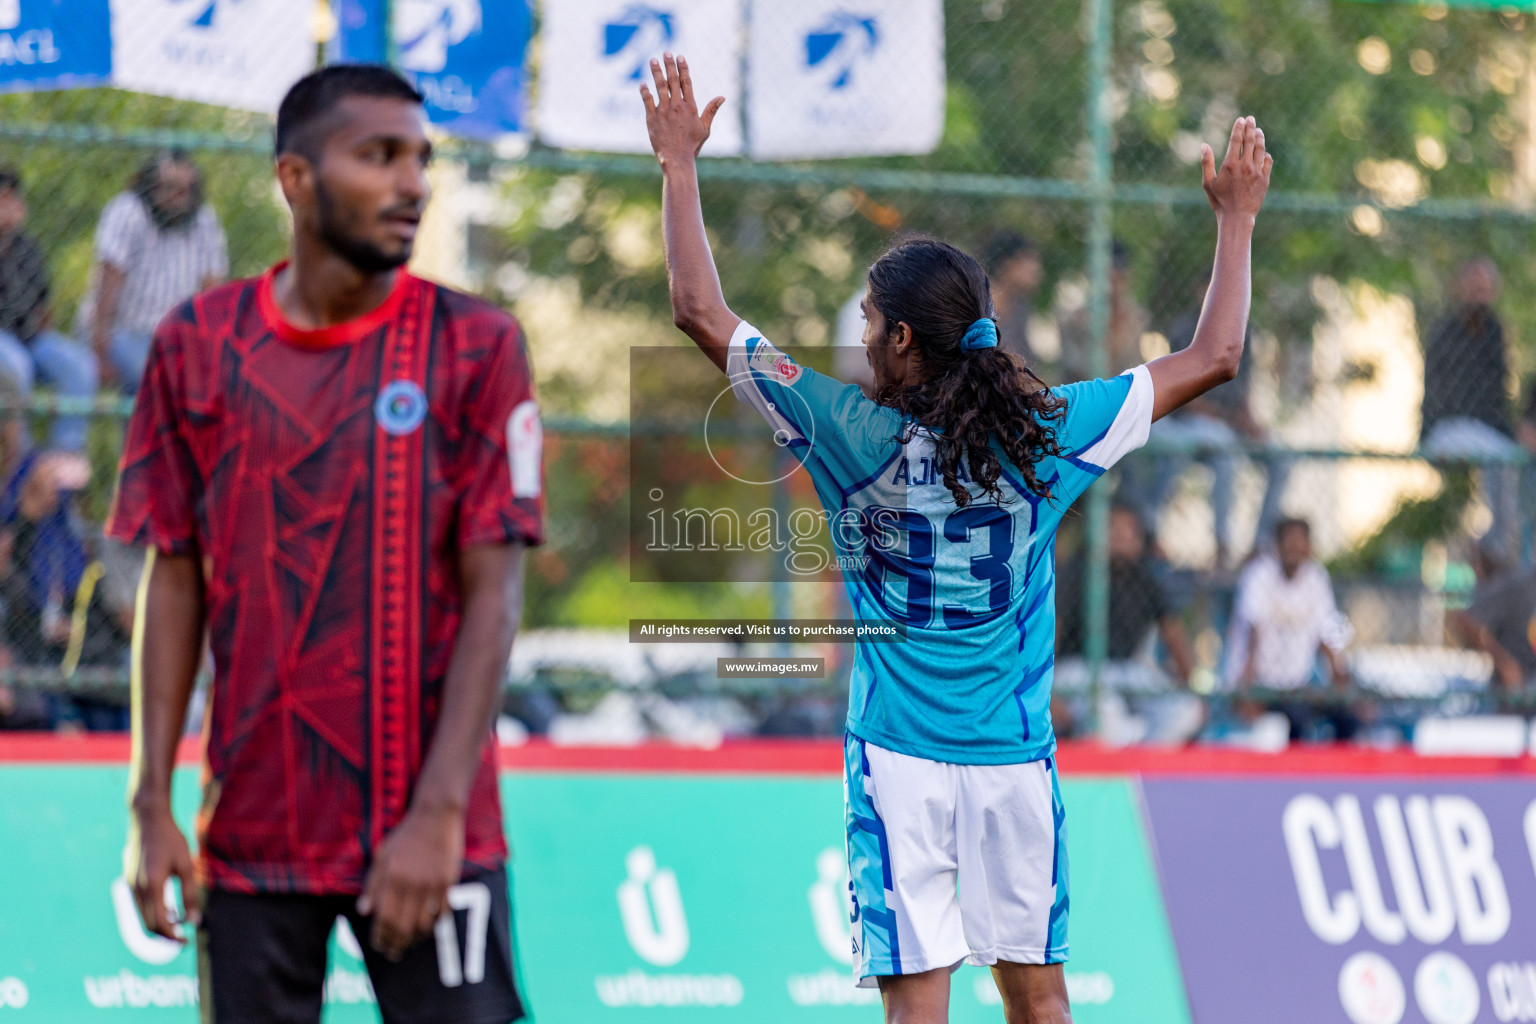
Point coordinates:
[[825, 757]]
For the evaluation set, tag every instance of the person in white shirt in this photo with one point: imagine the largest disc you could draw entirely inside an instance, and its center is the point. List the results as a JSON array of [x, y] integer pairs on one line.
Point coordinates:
[[1284, 618], [157, 245]]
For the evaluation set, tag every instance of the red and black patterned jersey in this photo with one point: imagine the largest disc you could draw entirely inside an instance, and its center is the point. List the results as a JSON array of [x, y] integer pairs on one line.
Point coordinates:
[[327, 480]]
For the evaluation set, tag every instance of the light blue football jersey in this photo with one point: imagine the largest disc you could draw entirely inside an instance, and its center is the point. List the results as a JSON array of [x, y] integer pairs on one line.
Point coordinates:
[[975, 586]]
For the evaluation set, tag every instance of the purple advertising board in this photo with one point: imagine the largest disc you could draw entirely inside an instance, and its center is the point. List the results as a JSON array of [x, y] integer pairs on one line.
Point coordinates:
[[1364, 901]]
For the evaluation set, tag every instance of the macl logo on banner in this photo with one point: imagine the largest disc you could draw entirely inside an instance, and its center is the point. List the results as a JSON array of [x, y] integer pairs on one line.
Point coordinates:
[[31, 47], [841, 74], [634, 36], [425, 29], [237, 53], [207, 11], [655, 923], [595, 53], [837, 48]]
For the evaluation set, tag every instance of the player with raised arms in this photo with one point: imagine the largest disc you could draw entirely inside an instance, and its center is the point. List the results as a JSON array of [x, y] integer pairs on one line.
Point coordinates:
[[956, 478], [336, 468]]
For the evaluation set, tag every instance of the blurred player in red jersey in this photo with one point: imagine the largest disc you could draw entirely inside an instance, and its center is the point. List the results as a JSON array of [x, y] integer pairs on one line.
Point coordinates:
[[336, 467]]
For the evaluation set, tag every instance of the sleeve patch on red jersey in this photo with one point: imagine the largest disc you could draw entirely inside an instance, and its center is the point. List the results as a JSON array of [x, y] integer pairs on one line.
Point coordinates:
[[525, 449]]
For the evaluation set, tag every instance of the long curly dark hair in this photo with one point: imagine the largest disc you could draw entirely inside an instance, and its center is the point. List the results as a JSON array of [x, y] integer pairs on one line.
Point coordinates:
[[966, 398]]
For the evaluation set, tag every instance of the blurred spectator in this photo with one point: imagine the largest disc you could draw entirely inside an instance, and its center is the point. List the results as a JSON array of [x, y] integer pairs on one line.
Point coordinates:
[[122, 565], [54, 615], [24, 709], [28, 348], [1501, 621], [1137, 601], [1285, 616], [1013, 264], [20, 708], [1466, 412], [1527, 437], [1137, 604], [157, 244], [1127, 323], [1223, 419]]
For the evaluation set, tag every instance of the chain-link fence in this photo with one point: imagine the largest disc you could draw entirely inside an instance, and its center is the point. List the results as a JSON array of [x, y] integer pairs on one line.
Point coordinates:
[[1380, 401]]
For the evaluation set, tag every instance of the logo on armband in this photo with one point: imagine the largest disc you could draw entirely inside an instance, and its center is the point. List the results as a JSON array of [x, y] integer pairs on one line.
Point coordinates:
[[776, 364]]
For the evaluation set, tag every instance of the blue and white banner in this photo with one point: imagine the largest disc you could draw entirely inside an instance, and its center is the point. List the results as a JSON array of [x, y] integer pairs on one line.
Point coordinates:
[[468, 57], [233, 53], [831, 78], [54, 44], [595, 55]]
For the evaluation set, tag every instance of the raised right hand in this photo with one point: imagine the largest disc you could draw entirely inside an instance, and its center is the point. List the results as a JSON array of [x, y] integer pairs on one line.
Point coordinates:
[[677, 129], [156, 852]]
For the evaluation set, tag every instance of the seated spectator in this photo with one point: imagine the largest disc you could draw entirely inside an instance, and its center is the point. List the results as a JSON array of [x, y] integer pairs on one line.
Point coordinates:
[[1221, 418], [1527, 435], [24, 709], [1128, 321], [1501, 621], [29, 350], [1466, 411], [1138, 604], [54, 615], [122, 566], [157, 245], [1284, 617], [1015, 269]]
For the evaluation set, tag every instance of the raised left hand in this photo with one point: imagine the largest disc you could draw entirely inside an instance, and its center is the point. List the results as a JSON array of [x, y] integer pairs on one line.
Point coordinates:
[[1239, 186], [407, 888]]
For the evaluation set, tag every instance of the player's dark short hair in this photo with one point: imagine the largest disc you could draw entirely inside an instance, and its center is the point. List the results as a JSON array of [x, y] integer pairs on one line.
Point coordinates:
[[1285, 526], [10, 180], [969, 396], [1004, 247], [317, 94]]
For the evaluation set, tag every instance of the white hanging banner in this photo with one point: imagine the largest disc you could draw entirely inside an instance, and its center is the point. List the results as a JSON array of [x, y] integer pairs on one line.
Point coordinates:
[[832, 78], [596, 53], [233, 53]]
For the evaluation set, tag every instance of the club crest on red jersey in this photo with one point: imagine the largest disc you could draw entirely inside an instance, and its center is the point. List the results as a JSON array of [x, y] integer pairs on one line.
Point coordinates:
[[401, 407]]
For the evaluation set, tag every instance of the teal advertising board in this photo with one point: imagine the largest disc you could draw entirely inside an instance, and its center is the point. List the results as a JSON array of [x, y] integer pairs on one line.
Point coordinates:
[[645, 898]]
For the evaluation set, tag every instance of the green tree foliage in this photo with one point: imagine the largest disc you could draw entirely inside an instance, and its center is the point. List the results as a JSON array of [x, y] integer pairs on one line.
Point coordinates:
[[1375, 112], [69, 178], [1390, 104]]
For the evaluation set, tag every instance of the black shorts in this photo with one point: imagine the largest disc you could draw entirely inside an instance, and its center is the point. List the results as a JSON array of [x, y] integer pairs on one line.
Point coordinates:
[[262, 959]]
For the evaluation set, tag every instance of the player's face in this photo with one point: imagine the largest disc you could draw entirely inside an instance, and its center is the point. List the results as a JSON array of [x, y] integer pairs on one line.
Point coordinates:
[[175, 190], [1478, 285], [1295, 550], [888, 351], [13, 210], [370, 183], [1124, 536], [1023, 273]]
